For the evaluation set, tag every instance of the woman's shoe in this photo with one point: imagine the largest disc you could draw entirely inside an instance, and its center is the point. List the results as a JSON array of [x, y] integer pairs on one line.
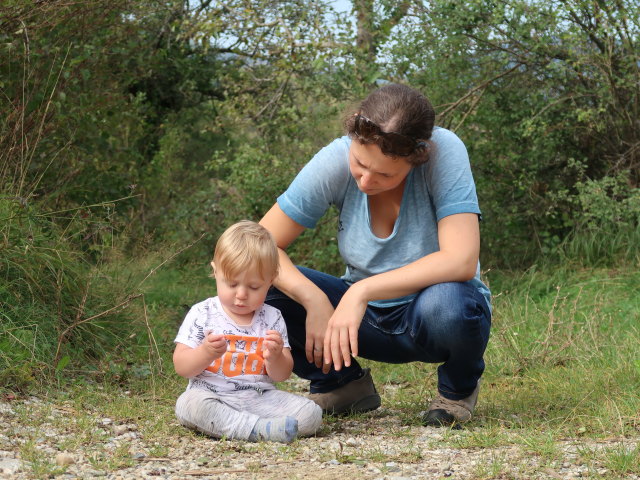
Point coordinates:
[[446, 413], [356, 396]]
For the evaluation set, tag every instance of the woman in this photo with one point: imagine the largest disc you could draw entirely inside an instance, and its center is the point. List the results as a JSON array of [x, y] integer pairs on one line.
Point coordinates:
[[409, 236]]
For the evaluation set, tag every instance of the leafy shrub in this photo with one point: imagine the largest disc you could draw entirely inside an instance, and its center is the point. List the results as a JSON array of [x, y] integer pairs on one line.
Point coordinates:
[[55, 306]]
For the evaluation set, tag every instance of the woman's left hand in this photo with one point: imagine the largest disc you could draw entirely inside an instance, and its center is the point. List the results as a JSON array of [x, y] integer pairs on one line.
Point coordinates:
[[341, 337]]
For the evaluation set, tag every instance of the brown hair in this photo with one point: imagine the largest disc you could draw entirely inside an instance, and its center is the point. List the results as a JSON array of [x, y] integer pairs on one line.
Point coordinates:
[[398, 109], [246, 245]]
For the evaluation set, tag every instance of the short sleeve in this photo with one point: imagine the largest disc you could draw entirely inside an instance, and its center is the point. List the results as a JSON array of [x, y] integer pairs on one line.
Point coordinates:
[[281, 327], [449, 177], [321, 183], [191, 332]]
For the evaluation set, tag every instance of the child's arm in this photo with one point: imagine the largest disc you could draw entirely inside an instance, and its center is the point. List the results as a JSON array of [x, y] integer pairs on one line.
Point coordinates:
[[189, 362], [277, 359]]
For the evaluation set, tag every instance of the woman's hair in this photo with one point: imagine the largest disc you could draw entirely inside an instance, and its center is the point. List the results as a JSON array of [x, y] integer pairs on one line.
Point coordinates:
[[244, 246], [401, 115]]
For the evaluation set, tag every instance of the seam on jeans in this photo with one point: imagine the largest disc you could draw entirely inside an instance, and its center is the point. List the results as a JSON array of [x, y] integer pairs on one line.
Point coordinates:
[[462, 396], [337, 384], [375, 325]]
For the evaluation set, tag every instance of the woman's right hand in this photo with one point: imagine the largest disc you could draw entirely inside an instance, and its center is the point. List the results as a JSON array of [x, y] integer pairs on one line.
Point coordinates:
[[299, 288], [318, 314]]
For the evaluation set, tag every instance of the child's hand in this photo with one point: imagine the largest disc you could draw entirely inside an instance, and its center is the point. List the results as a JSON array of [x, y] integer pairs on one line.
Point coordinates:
[[215, 344], [272, 346]]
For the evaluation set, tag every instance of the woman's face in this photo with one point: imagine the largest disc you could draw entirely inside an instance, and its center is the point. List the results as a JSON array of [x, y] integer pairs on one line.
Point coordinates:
[[373, 171]]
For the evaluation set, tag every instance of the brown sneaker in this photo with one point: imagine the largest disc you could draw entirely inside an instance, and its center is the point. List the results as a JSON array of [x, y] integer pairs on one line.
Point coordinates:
[[356, 396], [445, 412]]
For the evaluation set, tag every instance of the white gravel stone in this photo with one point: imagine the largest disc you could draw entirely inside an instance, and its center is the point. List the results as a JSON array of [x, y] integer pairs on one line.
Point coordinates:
[[119, 430], [10, 466], [363, 447], [64, 458]]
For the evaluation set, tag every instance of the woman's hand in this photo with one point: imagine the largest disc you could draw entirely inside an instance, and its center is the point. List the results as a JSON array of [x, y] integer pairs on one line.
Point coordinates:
[[341, 337], [318, 315]]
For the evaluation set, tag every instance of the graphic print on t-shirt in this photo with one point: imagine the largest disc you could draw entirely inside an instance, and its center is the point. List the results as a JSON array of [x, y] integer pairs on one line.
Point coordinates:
[[242, 366], [243, 357]]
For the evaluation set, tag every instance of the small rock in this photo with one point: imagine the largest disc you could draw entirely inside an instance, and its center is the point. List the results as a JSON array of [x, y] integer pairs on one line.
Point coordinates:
[[106, 421], [392, 467], [10, 465], [63, 458], [351, 442], [120, 430], [95, 473]]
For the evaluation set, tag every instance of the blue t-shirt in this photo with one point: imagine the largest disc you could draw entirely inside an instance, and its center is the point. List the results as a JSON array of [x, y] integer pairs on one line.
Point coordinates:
[[443, 186]]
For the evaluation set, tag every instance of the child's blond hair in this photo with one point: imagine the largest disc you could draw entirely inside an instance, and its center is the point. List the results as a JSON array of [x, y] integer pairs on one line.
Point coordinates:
[[244, 246]]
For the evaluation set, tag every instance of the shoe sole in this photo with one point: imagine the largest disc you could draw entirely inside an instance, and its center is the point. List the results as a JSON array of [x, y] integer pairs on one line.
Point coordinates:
[[366, 404], [441, 418]]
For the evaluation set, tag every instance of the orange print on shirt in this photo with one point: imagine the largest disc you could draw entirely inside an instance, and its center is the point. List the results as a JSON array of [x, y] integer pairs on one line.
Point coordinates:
[[240, 361]]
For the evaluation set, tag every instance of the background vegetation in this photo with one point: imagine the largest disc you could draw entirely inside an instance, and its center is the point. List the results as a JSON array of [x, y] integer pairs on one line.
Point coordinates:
[[132, 133]]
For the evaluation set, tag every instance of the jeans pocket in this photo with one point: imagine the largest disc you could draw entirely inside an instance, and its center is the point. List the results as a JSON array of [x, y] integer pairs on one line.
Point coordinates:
[[388, 320]]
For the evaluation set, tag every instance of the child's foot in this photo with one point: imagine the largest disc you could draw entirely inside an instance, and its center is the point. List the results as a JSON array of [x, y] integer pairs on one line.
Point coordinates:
[[281, 429]]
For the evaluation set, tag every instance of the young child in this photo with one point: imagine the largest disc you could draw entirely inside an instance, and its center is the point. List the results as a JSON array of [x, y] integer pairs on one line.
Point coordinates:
[[233, 347]]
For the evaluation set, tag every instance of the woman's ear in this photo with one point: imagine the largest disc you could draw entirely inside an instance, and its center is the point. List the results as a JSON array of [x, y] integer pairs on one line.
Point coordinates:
[[213, 265]]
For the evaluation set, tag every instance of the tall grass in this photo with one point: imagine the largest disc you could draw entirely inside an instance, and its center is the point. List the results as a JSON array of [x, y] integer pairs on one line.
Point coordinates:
[[58, 303], [603, 246], [63, 303], [564, 349]]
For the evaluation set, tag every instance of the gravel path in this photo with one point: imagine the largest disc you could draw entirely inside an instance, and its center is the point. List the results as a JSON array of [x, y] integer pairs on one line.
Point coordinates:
[[373, 446]]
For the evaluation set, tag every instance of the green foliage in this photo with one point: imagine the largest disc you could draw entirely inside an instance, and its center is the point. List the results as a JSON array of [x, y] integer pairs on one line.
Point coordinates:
[[544, 96], [56, 307], [608, 203], [90, 91], [150, 123]]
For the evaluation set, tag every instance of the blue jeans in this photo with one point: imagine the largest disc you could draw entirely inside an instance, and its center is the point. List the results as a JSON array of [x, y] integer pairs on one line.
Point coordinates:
[[445, 323]]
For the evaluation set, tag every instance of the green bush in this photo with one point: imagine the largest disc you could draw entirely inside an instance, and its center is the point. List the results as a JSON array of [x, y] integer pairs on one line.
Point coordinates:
[[57, 308]]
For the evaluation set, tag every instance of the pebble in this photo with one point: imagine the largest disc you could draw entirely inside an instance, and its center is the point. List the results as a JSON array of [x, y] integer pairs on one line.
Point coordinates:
[[352, 442], [64, 458], [392, 467], [356, 448], [10, 466], [120, 430]]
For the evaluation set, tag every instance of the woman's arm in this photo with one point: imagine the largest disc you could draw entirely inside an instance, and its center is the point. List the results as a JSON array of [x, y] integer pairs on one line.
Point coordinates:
[[296, 286], [456, 261]]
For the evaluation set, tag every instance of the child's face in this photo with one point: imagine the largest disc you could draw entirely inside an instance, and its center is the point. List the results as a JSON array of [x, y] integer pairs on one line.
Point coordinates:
[[243, 294]]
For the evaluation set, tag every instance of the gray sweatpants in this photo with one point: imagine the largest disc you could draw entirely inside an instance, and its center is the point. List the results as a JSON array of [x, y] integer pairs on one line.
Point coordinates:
[[234, 414]]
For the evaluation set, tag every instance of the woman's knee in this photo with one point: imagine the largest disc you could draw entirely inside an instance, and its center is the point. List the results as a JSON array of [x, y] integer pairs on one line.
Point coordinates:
[[446, 310]]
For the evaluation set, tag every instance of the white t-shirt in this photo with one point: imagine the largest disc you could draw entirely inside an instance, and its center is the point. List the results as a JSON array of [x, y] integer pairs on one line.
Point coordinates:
[[242, 365]]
